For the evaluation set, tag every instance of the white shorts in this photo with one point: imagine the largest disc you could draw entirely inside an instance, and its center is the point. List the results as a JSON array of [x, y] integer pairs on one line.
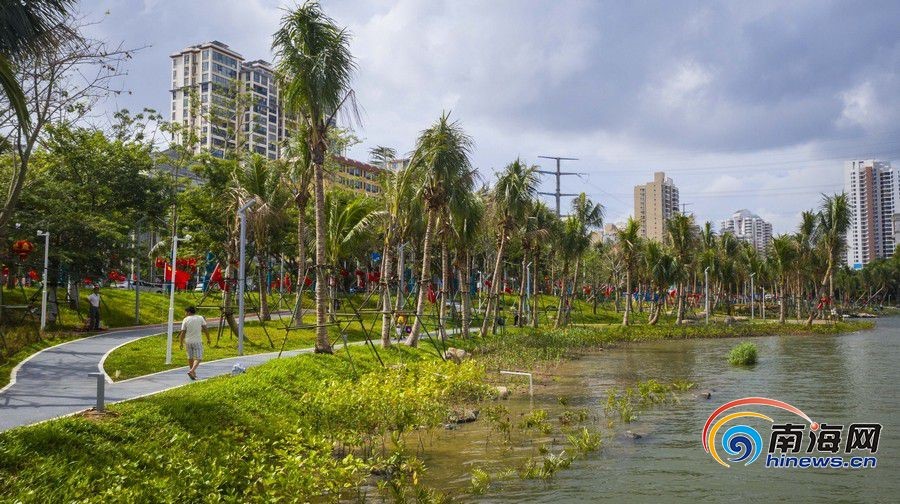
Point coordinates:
[[194, 351]]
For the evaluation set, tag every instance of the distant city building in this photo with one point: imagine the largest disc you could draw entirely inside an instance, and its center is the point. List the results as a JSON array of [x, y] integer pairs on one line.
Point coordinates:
[[356, 176], [397, 164], [749, 227], [607, 234], [654, 204], [207, 73], [873, 195]]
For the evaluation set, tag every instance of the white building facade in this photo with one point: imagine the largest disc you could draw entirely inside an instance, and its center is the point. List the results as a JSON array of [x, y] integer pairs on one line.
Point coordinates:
[[872, 193], [749, 227], [203, 100]]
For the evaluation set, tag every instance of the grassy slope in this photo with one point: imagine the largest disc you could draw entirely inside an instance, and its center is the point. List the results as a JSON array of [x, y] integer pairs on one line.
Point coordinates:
[[266, 434]]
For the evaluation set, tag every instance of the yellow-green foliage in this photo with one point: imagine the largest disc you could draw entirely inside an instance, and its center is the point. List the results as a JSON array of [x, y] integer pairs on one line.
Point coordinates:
[[268, 434]]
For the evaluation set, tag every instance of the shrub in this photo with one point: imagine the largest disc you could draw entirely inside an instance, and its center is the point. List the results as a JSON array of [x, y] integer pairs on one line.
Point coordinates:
[[743, 355]]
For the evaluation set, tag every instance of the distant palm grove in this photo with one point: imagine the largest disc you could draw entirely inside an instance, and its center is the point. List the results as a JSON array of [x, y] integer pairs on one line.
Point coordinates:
[[442, 245]]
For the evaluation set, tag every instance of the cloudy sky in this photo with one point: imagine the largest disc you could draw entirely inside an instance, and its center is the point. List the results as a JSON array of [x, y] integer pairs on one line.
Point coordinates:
[[744, 104]]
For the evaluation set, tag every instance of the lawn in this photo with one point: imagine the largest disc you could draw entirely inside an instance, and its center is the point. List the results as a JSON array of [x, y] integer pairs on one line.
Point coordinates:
[[147, 355], [289, 430]]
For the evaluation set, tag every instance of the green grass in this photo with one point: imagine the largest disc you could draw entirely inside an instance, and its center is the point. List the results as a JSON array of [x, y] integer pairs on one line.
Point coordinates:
[[289, 430], [26, 343], [147, 355], [743, 355]]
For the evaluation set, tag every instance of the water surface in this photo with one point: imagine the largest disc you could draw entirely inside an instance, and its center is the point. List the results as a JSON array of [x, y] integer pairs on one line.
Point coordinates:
[[834, 379]]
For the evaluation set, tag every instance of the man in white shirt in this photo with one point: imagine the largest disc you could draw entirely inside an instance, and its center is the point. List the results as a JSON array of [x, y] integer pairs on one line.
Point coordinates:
[[94, 310], [191, 327]]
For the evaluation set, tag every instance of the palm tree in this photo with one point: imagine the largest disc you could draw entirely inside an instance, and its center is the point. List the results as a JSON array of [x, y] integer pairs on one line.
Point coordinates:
[[681, 236], [628, 240], [542, 226], [442, 156], [586, 215], [831, 227], [663, 271], [260, 178], [298, 175], [380, 156], [315, 67], [398, 201], [513, 195], [783, 255], [466, 216]]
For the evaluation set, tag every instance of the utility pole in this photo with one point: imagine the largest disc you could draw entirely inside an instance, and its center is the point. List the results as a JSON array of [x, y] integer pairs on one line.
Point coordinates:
[[558, 174], [684, 207]]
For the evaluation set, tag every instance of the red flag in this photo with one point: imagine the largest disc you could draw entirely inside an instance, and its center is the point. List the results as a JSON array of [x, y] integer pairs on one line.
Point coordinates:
[[216, 276]]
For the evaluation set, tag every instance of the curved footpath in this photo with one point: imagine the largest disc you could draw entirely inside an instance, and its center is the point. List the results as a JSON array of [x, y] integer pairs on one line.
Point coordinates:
[[54, 382]]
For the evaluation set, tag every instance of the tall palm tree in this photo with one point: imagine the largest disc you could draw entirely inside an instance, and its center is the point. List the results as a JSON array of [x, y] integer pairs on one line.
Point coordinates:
[[315, 67], [586, 215], [544, 225], [628, 240], [783, 254], [513, 195], [682, 238], [398, 202], [466, 216], [442, 156], [832, 224]]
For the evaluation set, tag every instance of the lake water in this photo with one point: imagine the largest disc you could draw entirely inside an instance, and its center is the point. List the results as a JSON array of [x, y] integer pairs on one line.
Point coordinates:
[[851, 378]]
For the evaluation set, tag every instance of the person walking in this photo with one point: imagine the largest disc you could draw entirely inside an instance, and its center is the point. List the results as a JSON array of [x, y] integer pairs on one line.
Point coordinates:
[[191, 327], [94, 310]]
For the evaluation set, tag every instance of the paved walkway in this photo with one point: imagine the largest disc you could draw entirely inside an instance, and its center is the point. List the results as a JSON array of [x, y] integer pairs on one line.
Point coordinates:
[[55, 382]]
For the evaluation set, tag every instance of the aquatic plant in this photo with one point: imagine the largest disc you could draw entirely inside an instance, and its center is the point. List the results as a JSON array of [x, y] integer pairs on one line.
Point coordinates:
[[743, 354], [586, 440], [545, 467], [536, 419], [573, 416], [480, 482]]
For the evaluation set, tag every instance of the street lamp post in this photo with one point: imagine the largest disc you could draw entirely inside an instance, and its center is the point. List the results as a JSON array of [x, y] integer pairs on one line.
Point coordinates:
[[242, 268], [706, 292], [46, 235], [171, 326], [752, 301]]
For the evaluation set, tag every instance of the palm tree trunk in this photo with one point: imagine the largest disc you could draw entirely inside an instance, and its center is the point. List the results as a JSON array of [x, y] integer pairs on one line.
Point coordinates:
[[464, 294], [301, 268], [535, 314], [563, 297], [575, 289], [263, 288], [490, 314], [413, 339], [521, 308], [781, 301], [445, 287], [322, 344], [680, 318], [625, 317], [386, 318]]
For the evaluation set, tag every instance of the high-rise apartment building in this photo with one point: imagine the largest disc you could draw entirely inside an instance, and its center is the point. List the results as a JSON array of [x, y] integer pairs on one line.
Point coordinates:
[[204, 100], [749, 227], [873, 193], [654, 204]]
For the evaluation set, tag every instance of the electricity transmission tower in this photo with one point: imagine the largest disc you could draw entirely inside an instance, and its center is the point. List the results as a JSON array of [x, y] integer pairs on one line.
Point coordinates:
[[558, 174]]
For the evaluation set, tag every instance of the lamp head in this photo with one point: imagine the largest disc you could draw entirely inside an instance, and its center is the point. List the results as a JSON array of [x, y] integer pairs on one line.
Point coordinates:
[[187, 238]]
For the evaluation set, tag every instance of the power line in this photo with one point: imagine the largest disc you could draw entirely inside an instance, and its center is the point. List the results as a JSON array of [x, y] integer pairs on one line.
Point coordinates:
[[558, 174]]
